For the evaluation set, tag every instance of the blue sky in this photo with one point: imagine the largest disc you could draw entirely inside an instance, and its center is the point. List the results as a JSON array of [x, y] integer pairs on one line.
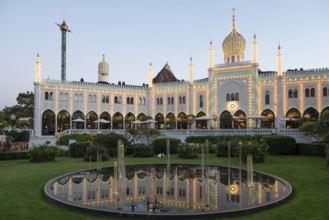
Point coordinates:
[[134, 33]]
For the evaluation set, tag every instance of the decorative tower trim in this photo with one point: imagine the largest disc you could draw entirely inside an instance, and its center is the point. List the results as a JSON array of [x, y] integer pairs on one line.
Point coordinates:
[[38, 69], [191, 68], [279, 58], [211, 55], [255, 50], [64, 28], [150, 76]]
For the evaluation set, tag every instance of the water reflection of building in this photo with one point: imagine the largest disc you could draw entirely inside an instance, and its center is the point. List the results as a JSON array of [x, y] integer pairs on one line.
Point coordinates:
[[181, 190], [235, 89]]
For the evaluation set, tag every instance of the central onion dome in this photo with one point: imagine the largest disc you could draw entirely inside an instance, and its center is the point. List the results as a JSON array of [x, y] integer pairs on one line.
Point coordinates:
[[234, 45], [103, 71]]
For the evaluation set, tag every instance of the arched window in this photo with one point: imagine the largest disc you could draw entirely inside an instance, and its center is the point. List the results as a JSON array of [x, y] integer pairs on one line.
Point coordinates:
[[46, 96], [119, 99], [89, 98], [267, 98], [158, 101], [201, 101], [172, 100], [132, 100], [232, 96], [107, 99], [325, 91], [236, 96], [51, 95], [103, 99], [228, 97], [168, 100], [143, 101], [312, 92], [295, 93], [307, 92], [180, 100], [76, 97], [66, 97], [94, 99], [80, 98], [289, 93], [128, 100], [115, 99], [184, 101], [161, 101]]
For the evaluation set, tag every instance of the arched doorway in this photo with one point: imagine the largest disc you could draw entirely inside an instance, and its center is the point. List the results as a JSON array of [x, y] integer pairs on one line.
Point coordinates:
[[48, 122], [170, 121], [160, 121], [63, 121], [128, 119], [311, 114], [106, 116], [117, 121], [141, 117], [269, 121], [78, 120], [225, 120], [324, 110], [182, 121], [240, 120], [293, 116], [91, 117], [201, 124]]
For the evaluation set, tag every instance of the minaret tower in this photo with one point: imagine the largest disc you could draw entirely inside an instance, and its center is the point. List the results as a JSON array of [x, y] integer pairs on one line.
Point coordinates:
[[103, 71], [150, 76], [38, 69], [211, 55], [191, 67], [254, 50], [64, 28], [279, 57]]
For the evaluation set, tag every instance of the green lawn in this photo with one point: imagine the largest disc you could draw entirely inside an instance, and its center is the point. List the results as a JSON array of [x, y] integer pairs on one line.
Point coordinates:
[[21, 187]]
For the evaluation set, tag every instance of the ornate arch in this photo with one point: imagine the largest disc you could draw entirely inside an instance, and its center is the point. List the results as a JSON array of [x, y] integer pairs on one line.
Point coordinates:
[[269, 122], [48, 122], [117, 121], [225, 120], [63, 121]]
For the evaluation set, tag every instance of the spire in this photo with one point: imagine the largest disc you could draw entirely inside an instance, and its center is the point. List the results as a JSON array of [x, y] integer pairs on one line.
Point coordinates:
[[233, 18], [191, 67], [211, 55], [38, 69], [254, 51], [279, 59], [103, 57], [150, 76]]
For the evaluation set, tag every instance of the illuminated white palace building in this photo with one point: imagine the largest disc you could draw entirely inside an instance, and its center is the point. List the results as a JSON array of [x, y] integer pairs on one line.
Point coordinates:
[[236, 94]]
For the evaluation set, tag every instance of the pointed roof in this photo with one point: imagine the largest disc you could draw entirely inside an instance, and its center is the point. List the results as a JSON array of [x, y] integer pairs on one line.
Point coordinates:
[[165, 75]]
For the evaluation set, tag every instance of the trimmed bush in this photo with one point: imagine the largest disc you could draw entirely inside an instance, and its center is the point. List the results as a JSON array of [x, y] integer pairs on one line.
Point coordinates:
[[64, 140], [110, 142], [188, 151], [160, 145], [78, 149], [43, 153], [92, 152], [14, 155], [279, 144], [311, 149], [222, 148], [258, 150], [143, 151]]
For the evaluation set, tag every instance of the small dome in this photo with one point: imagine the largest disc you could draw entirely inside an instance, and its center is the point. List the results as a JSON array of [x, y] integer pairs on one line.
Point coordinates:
[[103, 67], [234, 44], [64, 27]]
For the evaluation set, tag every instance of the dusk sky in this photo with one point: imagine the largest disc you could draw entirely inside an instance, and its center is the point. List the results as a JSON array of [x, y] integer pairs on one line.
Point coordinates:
[[134, 33]]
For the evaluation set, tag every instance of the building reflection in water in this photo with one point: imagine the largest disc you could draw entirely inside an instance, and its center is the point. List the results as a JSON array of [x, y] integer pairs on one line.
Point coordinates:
[[185, 188]]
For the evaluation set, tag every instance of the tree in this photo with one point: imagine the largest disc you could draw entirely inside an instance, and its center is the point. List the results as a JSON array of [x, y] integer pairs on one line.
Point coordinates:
[[23, 109], [319, 128], [150, 134], [3, 123]]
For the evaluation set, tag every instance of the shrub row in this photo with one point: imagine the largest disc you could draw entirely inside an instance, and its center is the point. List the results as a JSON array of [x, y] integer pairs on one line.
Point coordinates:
[[279, 144], [43, 153], [110, 142], [160, 145], [64, 140], [78, 149], [311, 149], [14, 155]]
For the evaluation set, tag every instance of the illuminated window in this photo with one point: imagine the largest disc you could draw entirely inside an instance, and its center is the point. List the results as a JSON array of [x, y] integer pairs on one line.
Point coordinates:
[[312, 92], [267, 98], [295, 93], [289, 93]]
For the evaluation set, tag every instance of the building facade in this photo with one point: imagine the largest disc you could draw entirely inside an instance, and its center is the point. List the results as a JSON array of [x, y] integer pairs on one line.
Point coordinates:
[[236, 94]]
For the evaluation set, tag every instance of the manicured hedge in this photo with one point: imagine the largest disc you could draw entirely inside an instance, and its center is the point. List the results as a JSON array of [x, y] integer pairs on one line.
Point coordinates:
[[143, 151], [64, 140], [311, 149], [160, 145], [43, 153], [78, 149], [14, 155], [110, 142], [279, 144]]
